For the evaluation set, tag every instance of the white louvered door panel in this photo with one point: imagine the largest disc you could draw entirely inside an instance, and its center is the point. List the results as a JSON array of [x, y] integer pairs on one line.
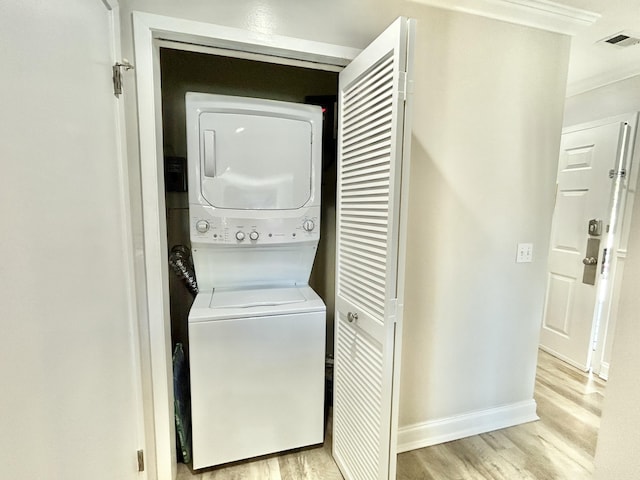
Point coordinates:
[[370, 170]]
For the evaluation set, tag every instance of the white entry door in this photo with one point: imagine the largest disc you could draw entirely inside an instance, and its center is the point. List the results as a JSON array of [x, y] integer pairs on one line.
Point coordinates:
[[370, 255], [69, 398], [576, 253]]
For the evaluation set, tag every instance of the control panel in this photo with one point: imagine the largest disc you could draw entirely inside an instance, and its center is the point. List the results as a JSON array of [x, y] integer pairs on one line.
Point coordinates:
[[215, 229]]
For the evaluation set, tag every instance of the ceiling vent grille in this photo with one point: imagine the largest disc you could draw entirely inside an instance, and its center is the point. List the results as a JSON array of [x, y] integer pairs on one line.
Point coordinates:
[[622, 39]]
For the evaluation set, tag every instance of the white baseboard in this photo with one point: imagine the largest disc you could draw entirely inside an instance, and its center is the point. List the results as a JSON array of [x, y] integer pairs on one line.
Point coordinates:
[[447, 429], [564, 358]]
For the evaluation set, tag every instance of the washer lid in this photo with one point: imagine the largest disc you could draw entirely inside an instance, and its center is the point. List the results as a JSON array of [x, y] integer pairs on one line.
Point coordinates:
[[255, 297], [227, 304]]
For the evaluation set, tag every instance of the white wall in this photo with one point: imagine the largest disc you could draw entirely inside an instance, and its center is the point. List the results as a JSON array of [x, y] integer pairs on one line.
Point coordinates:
[[484, 154], [67, 363], [489, 99], [618, 441]]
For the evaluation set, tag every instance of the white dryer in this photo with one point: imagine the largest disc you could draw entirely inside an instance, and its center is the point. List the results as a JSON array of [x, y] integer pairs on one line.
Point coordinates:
[[256, 329], [254, 170]]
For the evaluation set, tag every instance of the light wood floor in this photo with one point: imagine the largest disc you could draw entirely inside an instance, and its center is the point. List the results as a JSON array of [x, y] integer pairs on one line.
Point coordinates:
[[303, 464], [560, 446]]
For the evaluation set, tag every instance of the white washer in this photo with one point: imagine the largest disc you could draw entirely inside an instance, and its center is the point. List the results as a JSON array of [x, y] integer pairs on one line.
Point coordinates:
[[257, 372]]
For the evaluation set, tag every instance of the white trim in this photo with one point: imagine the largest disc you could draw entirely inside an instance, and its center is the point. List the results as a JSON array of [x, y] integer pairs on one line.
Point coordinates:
[[259, 57], [607, 327], [447, 429], [112, 5], [155, 251], [402, 242], [565, 359], [541, 14], [113, 9], [220, 36], [147, 29], [602, 80], [626, 117]]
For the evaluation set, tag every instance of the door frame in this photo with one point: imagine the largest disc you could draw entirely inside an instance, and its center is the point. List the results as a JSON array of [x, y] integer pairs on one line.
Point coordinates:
[[603, 320], [148, 29], [606, 321], [144, 432]]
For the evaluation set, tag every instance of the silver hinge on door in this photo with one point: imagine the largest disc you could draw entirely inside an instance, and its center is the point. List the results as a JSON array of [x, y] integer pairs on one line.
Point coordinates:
[[406, 86], [140, 460], [392, 307], [403, 86], [623, 147], [117, 75], [622, 173]]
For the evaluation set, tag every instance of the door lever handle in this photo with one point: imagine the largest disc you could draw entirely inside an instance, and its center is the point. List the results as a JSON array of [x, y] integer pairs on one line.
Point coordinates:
[[590, 260]]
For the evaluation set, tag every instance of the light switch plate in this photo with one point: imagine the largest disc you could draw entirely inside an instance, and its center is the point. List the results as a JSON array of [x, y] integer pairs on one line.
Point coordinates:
[[525, 253]]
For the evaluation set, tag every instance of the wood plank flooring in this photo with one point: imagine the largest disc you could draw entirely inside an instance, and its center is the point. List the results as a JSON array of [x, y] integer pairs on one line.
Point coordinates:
[[315, 463], [560, 446]]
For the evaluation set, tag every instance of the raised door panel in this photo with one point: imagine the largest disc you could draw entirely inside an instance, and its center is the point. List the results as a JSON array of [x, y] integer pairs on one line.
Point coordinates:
[[583, 193]]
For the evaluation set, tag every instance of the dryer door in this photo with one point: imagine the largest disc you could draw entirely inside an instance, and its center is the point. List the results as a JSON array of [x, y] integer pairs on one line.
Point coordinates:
[[255, 161]]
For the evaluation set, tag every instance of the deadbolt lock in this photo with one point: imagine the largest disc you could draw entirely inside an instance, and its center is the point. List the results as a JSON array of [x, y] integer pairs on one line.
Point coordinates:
[[595, 227]]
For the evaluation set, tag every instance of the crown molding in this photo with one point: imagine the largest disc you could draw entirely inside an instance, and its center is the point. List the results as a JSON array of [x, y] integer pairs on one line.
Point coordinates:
[[541, 14], [111, 4], [602, 80]]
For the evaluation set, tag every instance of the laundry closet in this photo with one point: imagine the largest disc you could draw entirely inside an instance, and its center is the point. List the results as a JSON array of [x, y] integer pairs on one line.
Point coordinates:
[[225, 78]]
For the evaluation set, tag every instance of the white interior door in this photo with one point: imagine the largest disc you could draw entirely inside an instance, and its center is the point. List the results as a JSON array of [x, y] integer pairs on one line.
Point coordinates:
[[67, 365], [369, 255], [583, 193]]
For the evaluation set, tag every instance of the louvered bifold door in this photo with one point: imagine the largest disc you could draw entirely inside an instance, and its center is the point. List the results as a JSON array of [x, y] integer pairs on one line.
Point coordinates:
[[370, 149]]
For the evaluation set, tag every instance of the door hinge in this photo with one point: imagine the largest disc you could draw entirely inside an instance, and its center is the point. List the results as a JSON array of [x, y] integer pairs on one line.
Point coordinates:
[[622, 173], [393, 308], [406, 86], [140, 460], [403, 86], [604, 268], [117, 75]]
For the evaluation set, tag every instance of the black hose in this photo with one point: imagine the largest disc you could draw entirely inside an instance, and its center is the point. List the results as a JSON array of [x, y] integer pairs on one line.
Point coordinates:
[[181, 264]]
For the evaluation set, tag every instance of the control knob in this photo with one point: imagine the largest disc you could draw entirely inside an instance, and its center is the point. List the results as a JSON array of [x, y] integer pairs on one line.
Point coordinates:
[[308, 225], [254, 235], [240, 236], [202, 226]]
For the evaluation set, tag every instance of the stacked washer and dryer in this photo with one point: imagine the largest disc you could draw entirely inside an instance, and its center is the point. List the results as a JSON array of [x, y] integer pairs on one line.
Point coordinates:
[[256, 329]]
